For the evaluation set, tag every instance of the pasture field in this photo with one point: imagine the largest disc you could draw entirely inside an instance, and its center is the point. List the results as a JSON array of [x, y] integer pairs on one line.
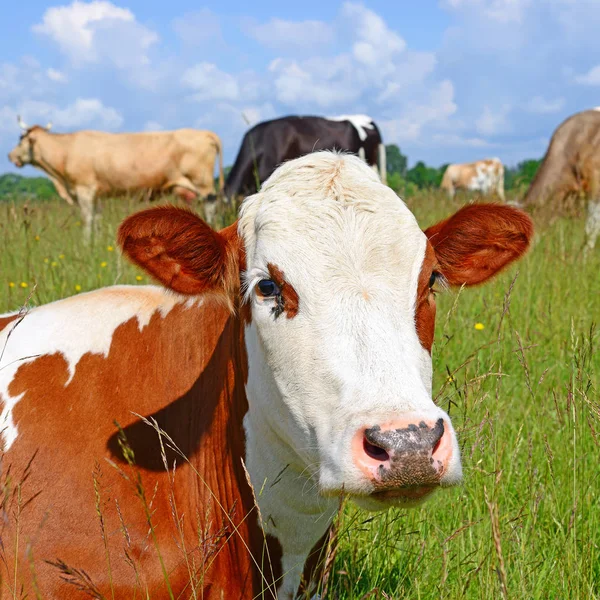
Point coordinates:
[[516, 364]]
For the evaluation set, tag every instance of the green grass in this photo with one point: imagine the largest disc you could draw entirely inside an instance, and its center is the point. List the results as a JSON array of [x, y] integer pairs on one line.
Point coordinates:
[[522, 393]]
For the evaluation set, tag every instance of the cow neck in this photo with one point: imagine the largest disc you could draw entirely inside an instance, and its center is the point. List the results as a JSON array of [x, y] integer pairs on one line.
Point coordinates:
[[291, 509], [55, 166], [222, 483]]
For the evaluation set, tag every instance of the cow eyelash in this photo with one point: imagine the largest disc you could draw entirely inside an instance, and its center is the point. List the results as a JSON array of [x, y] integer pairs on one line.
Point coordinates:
[[436, 277]]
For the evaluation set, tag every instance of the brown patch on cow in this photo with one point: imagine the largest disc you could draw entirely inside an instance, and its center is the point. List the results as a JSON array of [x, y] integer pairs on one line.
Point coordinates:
[[478, 241], [186, 371], [179, 249], [425, 305], [291, 302], [4, 321]]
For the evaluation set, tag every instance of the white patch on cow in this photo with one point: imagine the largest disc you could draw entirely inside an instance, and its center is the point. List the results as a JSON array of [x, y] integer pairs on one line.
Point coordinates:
[[592, 224], [49, 329], [483, 178], [359, 122], [351, 358]]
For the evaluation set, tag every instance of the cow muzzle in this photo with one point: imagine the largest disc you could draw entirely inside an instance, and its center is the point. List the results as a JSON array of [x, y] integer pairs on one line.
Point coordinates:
[[16, 160], [405, 460]]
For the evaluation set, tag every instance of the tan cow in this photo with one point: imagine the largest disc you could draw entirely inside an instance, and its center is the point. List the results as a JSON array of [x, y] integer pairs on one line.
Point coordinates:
[[570, 172], [485, 176], [87, 165]]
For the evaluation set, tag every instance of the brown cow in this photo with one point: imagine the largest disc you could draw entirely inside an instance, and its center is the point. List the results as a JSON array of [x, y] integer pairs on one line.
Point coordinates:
[[571, 171], [292, 348], [485, 176], [87, 165]]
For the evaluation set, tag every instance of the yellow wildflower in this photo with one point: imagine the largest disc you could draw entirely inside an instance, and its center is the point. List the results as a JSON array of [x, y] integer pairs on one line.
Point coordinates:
[[450, 379], [103, 264], [46, 260], [109, 248], [61, 256], [138, 278], [53, 264], [479, 326], [11, 284], [37, 238], [24, 284], [77, 287]]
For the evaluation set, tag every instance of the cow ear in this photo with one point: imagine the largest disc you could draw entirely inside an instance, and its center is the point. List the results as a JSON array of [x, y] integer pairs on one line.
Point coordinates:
[[181, 251], [479, 241]]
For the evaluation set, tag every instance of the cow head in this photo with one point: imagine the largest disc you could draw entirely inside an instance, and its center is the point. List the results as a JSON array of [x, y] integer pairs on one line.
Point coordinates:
[[26, 151], [339, 281]]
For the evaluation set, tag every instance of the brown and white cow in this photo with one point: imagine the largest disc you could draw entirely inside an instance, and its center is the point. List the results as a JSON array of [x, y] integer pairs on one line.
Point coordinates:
[[485, 176], [295, 344], [87, 165]]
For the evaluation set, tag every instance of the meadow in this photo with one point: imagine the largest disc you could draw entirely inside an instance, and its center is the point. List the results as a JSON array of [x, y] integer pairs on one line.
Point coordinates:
[[516, 366]]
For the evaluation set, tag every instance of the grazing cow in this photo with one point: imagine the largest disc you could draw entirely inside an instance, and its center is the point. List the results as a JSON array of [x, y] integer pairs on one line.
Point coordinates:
[[270, 143], [291, 350], [87, 165], [570, 171], [485, 176]]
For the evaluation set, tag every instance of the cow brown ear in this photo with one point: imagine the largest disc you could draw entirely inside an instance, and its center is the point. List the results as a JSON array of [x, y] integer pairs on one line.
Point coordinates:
[[181, 251], [478, 241]]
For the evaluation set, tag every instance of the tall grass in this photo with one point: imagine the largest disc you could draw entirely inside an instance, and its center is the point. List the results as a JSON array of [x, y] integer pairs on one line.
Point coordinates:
[[522, 392]]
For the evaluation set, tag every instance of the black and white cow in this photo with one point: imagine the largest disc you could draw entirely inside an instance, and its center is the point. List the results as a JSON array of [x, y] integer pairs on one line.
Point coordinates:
[[270, 143]]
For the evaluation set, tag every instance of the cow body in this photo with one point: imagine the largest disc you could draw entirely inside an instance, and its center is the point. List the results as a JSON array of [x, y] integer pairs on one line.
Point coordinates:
[[570, 170], [485, 176], [270, 143], [88, 165], [292, 353]]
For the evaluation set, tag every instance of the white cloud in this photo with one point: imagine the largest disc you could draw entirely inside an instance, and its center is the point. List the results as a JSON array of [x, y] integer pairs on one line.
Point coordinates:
[[455, 140], [55, 75], [539, 105], [493, 121], [433, 110], [412, 70], [23, 78], [198, 27], [376, 44], [89, 32], [81, 113], [210, 83], [501, 11], [153, 126], [285, 35], [324, 82], [592, 77]]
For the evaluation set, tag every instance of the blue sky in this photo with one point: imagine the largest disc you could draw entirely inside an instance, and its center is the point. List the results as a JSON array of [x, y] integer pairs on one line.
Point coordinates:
[[447, 80]]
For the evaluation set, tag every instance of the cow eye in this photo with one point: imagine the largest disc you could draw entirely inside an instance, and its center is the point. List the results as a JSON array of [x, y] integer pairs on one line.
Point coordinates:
[[433, 278], [268, 288]]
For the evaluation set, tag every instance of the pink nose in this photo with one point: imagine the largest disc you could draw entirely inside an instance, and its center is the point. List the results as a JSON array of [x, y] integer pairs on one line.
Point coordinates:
[[403, 454]]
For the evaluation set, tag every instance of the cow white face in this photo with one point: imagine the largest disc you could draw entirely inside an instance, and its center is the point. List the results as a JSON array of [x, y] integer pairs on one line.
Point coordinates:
[[337, 276], [334, 261]]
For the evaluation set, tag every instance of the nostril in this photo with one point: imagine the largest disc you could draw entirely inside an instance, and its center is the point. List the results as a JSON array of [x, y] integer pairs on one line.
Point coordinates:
[[375, 452], [436, 446]]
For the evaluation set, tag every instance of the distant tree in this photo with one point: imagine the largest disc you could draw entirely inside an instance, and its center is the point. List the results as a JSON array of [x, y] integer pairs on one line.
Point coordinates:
[[396, 161], [423, 176], [15, 186], [522, 174]]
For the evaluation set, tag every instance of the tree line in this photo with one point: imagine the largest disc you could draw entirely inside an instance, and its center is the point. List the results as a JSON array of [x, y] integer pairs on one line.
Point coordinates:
[[400, 178], [13, 186]]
